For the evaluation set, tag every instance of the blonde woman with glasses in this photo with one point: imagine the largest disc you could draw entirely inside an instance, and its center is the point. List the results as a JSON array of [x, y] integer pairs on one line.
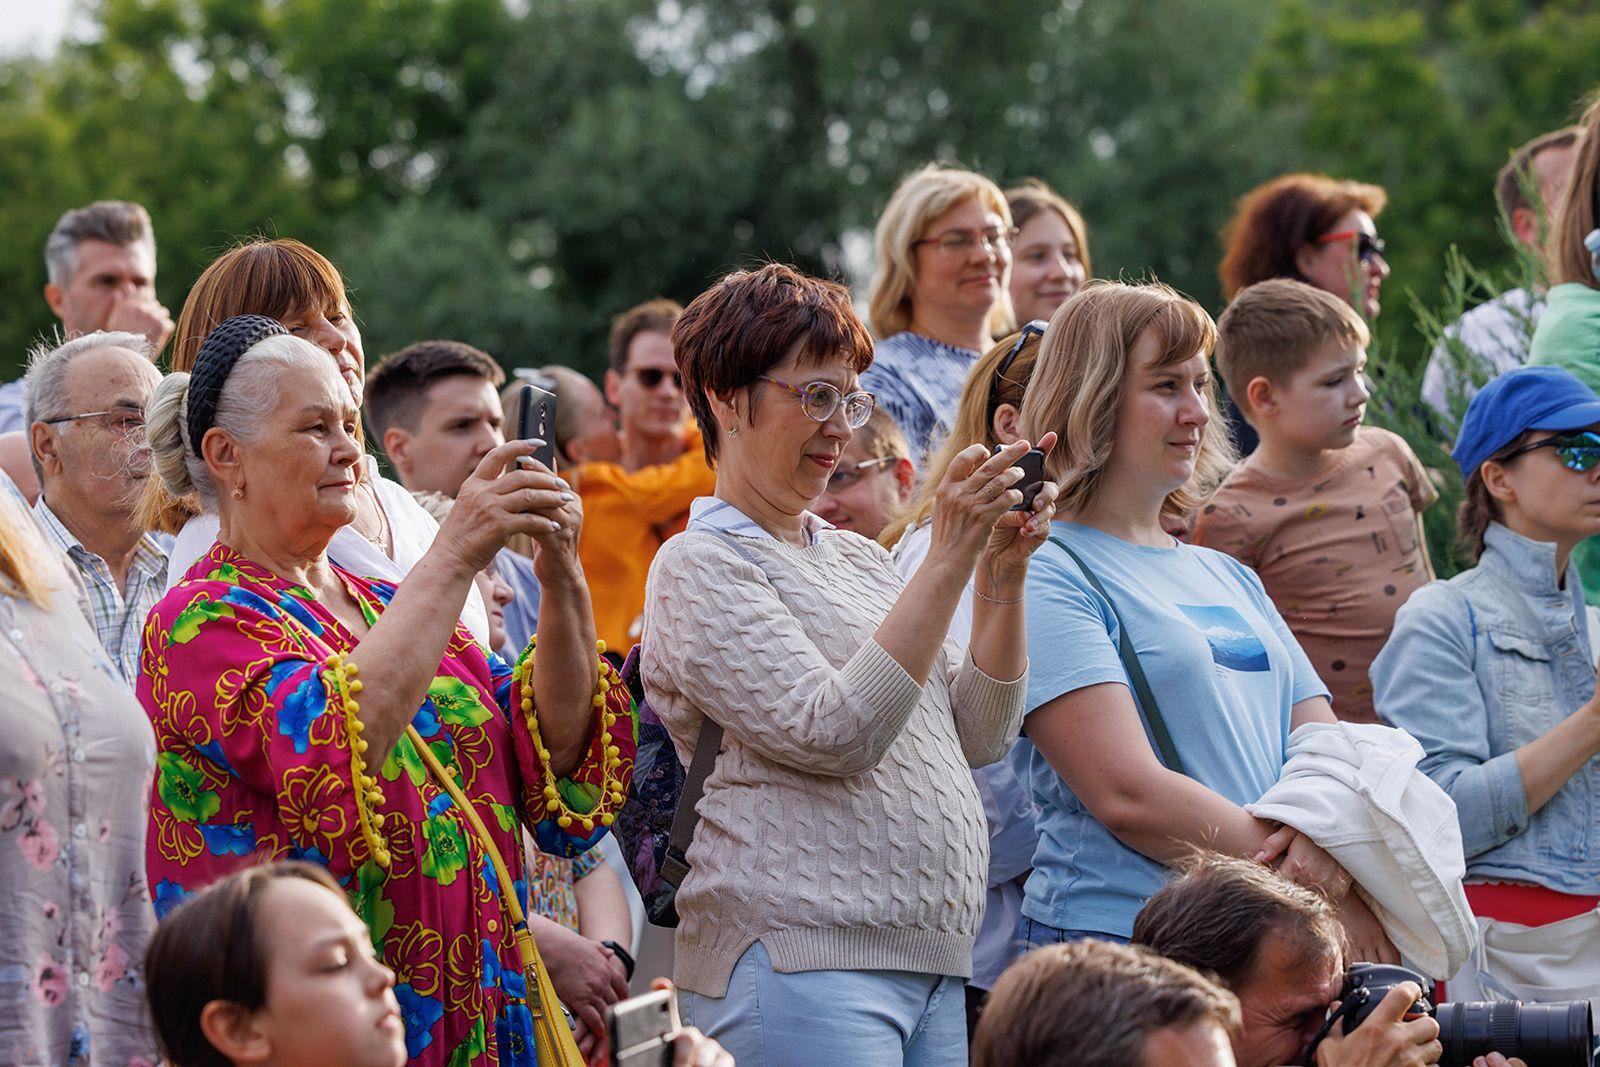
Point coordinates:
[[1130, 629], [943, 250]]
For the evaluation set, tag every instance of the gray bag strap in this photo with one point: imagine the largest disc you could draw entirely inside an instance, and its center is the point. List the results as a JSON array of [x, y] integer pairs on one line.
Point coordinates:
[[675, 864], [1144, 698]]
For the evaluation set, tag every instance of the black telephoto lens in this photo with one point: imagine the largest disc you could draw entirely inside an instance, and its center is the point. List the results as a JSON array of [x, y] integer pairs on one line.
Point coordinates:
[[1543, 1035]]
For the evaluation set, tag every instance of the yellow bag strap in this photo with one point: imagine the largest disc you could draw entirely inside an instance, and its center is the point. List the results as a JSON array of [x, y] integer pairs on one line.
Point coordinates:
[[555, 1045]]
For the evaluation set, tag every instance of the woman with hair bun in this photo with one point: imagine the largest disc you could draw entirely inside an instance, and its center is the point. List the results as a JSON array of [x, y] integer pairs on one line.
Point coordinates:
[[294, 284], [305, 711]]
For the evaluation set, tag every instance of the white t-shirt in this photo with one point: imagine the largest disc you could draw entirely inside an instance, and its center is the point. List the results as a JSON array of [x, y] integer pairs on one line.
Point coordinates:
[[1497, 332], [411, 528]]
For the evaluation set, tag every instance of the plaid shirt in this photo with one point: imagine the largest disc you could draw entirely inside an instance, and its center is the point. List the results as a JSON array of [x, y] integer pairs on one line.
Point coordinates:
[[118, 620]]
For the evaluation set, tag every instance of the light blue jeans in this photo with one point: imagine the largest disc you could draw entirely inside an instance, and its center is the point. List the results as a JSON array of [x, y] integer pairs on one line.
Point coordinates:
[[882, 1018]]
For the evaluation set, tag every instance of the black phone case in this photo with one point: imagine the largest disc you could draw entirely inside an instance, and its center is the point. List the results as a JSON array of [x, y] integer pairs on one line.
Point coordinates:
[[1032, 464], [537, 418]]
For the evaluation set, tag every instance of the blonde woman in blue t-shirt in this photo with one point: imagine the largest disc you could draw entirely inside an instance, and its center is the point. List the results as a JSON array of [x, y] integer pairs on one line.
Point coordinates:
[[1124, 377]]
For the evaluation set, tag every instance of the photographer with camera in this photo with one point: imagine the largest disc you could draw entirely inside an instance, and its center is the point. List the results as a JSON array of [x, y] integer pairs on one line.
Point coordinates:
[[1277, 946]]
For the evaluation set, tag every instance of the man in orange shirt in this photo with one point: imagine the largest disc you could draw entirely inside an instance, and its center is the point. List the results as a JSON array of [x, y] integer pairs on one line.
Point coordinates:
[[631, 506]]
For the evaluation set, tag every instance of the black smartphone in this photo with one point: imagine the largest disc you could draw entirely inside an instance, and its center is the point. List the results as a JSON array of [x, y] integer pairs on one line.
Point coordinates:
[[536, 417], [642, 1028], [1032, 464]]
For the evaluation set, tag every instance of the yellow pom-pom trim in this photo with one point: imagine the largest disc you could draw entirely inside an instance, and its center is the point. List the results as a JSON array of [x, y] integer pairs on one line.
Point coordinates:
[[611, 791], [340, 678]]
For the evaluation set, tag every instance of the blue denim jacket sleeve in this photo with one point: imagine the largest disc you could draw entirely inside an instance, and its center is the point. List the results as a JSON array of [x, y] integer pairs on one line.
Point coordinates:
[[1425, 682]]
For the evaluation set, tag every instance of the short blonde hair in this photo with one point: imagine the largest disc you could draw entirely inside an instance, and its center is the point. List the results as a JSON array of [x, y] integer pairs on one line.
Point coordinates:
[[1273, 328], [921, 198], [1077, 385]]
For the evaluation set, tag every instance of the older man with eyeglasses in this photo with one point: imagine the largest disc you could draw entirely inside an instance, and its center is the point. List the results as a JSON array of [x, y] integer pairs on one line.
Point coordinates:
[[85, 411]]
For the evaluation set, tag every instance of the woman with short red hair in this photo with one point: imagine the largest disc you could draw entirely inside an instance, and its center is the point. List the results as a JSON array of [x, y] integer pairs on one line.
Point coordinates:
[[838, 867], [1311, 228]]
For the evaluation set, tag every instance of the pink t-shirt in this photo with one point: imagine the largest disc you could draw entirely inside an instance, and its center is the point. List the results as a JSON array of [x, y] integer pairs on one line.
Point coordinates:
[[1338, 553]]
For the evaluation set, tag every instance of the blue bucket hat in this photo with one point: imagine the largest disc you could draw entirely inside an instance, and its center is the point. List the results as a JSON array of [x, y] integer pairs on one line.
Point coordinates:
[[1528, 398]]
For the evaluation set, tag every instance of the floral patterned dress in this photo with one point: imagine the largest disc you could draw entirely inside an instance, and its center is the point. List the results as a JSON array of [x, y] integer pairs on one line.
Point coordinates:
[[76, 757], [257, 760]]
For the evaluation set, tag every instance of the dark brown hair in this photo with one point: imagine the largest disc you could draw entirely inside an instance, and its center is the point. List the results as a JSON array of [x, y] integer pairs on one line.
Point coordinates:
[[653, 316], [1273, 222], [1273, 328], [1580, 208], [1511, 184], [206, 950], [395, 388], [748, 322], [1092, 1002], [1478, 509], [1216, 914]]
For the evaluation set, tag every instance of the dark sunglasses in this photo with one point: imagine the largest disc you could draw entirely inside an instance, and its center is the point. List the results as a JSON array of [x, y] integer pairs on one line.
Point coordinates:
[[1577, 451], [1035, 328], [1367, 244], [651, 377]]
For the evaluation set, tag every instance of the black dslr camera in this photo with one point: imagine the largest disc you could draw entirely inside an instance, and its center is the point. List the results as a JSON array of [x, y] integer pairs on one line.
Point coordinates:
[[1544, 1035]]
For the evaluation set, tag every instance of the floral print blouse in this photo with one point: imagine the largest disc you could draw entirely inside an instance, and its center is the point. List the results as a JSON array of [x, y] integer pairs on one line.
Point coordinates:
[[257, 760], [76, 755]]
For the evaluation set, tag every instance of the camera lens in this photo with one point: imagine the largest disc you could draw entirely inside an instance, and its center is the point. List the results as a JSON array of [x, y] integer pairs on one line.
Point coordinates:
[[1557, 1035]]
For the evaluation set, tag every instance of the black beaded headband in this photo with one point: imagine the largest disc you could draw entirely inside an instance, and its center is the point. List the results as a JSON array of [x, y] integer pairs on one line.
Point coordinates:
[[220, 350]]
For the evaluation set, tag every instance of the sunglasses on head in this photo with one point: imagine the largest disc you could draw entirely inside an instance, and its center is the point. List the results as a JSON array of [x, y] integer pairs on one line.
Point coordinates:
[[1367, 244], [1578, 451], [651, 377], [1035, 328]]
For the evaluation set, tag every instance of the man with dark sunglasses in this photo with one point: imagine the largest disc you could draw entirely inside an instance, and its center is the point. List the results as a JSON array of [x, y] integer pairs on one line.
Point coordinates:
[[631, 506]]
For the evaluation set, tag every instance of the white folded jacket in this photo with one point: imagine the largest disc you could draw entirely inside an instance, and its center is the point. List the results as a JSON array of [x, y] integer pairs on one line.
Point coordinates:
[[1356, 791]]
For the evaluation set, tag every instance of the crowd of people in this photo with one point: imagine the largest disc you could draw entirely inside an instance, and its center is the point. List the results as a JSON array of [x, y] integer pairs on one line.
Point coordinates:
[[318, 730]]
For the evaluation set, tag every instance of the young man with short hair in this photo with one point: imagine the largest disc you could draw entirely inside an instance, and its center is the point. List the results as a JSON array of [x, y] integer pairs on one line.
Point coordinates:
[[434, 407], [632, 506], [1327, 511]]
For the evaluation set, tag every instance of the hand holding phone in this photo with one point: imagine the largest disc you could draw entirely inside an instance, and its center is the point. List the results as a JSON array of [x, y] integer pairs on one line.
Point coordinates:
[[642, 1028], [1032, 464], [536, 419]]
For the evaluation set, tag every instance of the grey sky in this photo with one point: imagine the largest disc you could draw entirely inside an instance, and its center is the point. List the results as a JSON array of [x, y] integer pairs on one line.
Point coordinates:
[[32, 25]]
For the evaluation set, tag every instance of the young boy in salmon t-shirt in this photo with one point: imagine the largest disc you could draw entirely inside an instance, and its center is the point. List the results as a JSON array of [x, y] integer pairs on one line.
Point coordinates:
[[1326, 510]]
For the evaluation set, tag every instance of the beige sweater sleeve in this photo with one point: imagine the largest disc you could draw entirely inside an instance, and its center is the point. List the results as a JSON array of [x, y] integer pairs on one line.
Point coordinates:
[[722, 638], [988, 712]]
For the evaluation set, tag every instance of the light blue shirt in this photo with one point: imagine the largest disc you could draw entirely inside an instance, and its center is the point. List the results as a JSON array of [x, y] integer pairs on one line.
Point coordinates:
[[918, 381], [1477, 667], [1223, 666]]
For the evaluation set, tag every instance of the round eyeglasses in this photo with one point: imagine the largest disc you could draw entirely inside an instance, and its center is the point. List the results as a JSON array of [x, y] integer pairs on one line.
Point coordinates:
[[819, 400], [1577, 451]]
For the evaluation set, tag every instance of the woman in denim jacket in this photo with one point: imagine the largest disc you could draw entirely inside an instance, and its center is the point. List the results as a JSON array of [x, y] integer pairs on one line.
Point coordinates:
[[1492, 670]]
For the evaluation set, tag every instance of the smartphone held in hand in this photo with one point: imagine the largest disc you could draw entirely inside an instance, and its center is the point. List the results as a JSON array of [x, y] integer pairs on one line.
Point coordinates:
[[642, 1029], [536, 418], [1032, 464]]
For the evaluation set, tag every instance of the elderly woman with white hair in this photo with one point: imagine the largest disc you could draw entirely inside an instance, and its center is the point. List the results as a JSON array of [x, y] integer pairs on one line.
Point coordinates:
[[939, 296], [303, 711]]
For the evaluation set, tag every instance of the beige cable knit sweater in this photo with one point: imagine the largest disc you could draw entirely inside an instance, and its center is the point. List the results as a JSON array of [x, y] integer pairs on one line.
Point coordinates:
[[840, 826]]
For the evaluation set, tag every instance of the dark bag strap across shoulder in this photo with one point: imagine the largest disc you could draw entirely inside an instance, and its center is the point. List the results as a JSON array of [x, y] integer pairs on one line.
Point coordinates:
[[675, 864], [1144, 698]]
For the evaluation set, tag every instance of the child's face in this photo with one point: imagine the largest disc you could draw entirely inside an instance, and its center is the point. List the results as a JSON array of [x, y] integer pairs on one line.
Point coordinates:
[[328, 999], [1321, 406]]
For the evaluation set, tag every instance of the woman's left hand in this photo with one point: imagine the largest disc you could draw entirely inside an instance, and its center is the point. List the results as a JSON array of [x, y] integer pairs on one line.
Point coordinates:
[[1018, 534]]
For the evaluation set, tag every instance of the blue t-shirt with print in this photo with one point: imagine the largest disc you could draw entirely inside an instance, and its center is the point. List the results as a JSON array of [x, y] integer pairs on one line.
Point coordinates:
[[1221, 663]]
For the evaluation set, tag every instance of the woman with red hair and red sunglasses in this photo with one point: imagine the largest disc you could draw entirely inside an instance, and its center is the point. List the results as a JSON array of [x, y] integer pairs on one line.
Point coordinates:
[[1314, 229]]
